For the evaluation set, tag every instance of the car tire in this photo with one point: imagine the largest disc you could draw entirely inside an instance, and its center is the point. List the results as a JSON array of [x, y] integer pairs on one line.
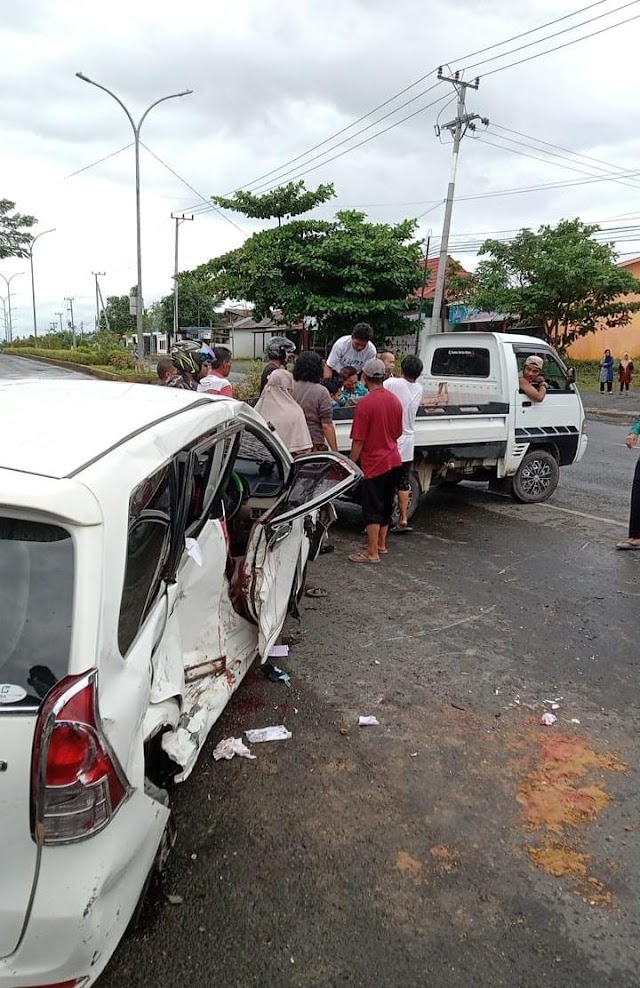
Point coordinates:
[[537, 477]]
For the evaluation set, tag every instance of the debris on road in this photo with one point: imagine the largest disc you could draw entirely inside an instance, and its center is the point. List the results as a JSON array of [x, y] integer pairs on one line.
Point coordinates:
[[279, 652], [174, 900], [276, 674], [368, 722], [229, 747], [279, 733], [317, 592], [548, 719]]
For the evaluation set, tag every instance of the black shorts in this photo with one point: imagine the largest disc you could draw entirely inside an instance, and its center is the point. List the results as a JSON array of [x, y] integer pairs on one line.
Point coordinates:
[[377, 494], [402, 477]]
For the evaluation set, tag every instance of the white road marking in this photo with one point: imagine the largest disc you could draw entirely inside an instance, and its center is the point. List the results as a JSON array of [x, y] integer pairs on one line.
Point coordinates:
[[434, 631], [583, 514]]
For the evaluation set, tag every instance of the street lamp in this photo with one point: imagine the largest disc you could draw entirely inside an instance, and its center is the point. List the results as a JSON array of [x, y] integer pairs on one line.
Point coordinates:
[[5, 324], [8, 284], [136, 137], [33, 284]]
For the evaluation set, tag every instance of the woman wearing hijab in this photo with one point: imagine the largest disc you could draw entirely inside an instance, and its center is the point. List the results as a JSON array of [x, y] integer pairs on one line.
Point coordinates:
[[625, 373], [277, 405], [606, 371]]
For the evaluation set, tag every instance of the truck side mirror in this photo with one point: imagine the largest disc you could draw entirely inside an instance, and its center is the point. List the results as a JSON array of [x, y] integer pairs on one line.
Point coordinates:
[[571, 375]]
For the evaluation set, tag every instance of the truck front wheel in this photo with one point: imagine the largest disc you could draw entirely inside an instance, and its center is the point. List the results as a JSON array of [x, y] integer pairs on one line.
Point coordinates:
[[537, 477]]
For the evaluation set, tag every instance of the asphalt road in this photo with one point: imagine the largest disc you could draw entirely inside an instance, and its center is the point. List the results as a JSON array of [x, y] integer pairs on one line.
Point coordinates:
[[15, 368], [459, 843]]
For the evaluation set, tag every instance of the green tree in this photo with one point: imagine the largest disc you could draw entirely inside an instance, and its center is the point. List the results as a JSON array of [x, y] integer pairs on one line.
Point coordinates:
[[559, 280], [338, 271], [197, 303], [288, 200], [117, 310], [15, 238]]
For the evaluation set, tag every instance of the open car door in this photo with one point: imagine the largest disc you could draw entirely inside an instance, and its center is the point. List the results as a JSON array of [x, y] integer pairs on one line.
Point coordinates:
[[279, 544]]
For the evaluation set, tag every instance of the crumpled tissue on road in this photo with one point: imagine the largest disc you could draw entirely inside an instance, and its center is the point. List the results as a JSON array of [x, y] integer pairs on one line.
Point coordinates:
[[229, 747], [279, 733], [368, 721]]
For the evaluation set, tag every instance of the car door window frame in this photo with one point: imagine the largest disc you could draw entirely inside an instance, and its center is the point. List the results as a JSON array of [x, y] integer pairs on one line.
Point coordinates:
[[275, 519], [548, 357]]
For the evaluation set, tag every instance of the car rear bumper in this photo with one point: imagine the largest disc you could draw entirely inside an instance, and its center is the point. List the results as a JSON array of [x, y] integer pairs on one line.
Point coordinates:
[[85, 896]]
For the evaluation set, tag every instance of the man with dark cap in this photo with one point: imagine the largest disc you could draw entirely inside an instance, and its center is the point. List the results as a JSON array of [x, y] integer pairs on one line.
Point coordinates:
[[377, 426]]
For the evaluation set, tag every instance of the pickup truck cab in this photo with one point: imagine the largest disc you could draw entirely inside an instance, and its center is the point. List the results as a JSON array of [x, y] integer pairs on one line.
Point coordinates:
[[151, 542], [476, 424]]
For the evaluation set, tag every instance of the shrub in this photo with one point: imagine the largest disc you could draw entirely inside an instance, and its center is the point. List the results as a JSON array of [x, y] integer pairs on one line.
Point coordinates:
[[249, 389]]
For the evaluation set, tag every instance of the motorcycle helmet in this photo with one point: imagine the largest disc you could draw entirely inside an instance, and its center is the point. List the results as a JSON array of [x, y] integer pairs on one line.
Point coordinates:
[[279, 348]]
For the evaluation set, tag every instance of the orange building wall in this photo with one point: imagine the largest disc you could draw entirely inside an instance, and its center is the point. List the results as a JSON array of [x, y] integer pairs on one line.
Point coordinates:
[[619, 341]]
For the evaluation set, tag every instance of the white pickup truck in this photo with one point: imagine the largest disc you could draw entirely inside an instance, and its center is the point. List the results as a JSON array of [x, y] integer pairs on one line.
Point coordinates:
[[476, 424]]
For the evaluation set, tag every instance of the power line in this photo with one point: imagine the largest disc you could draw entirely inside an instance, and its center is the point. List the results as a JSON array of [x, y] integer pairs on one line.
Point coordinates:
[[616, 177], [195, 191], [557, 147], [567, 44], [555, 34], [100, 160], [395, 96]]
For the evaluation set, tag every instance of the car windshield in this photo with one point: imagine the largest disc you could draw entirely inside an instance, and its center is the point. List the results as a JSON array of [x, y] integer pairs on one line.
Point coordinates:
[[36, 606]]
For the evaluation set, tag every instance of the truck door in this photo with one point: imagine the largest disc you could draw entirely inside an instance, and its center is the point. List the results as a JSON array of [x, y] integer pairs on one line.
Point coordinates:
[[557, 420]]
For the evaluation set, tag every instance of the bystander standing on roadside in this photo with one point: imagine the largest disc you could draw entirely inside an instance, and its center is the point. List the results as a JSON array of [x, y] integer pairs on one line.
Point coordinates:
[[314, 400], [351, 351], [277, 405], [409, 394], [170, 376], [633, 541], [377, 426], [388, 358], [625, 373], [215, 381], [606, 371], [278, 350]]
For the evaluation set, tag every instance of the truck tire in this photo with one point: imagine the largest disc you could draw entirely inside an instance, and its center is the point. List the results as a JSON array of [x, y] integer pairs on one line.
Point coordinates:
[[414, 499], [537, 477]]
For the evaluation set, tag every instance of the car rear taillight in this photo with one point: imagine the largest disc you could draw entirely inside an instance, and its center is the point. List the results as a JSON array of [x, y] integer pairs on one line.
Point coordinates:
[[77, 783]]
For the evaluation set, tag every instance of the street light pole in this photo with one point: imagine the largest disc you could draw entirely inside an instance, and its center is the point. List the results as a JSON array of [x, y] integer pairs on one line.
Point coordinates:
[[8, 281], [59, 315], [33, 284], [136, 136], [3, 299]]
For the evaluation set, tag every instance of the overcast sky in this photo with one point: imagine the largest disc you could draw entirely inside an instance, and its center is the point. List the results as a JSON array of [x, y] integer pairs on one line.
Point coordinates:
[[271, 79]]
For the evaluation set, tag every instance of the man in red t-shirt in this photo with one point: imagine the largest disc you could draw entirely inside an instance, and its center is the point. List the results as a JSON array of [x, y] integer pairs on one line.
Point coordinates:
[[377, 426]]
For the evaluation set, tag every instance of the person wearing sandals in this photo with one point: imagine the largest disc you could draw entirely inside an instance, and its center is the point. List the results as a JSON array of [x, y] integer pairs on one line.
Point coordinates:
[[633, 542], [409, 393], [377, 426]]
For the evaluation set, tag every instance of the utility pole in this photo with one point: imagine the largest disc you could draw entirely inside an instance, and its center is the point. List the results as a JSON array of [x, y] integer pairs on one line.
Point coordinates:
[[458, 128], [96, 275], [176, 321], [73, 325], [59, 315], [7, 282]]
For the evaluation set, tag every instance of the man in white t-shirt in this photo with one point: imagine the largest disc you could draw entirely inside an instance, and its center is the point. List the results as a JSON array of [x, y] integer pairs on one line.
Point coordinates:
[[409, 393], [351, 351]]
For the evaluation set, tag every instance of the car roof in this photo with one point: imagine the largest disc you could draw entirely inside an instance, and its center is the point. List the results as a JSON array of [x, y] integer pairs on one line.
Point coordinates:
[[55, 428]]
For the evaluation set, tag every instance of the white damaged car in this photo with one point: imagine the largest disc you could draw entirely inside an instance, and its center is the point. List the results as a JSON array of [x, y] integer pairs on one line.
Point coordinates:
[[151, 542]]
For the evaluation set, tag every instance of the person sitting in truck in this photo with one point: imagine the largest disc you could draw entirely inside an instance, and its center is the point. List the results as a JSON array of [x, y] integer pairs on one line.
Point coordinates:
[[352, 388], [531, 381]]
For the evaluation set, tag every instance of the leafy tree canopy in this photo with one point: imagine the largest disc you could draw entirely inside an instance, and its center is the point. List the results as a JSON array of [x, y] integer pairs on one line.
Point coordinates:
[[117, 310], [559, 280], [15, 238], [340, 271], [197, 303], [288, 200]]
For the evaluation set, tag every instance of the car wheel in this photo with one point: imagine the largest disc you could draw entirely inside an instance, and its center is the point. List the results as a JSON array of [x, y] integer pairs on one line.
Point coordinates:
[[414, 499], [537, 477]]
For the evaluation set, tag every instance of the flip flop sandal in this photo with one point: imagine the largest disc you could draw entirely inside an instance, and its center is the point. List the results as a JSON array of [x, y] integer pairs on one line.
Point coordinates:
[[361, 557], [381, 552], [401, 529], [627, 545]]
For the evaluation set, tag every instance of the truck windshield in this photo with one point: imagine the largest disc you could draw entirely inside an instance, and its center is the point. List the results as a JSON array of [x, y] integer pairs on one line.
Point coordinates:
[[36, 606]]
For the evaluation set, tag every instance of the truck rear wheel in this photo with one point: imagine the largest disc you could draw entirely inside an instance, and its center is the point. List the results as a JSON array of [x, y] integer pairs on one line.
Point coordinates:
[[414, 499], [537, 477]]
